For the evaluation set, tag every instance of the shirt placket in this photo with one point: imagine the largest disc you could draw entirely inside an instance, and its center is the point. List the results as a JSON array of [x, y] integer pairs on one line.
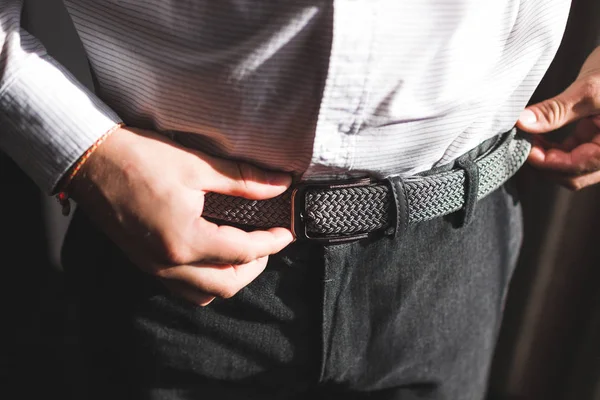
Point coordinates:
[[346, 88]]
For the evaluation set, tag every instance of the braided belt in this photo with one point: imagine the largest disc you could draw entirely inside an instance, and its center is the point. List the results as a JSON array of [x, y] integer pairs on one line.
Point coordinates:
[[352, 209]]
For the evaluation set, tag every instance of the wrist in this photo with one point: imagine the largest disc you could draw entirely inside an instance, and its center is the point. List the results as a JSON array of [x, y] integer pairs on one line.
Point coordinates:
[[67, 185]]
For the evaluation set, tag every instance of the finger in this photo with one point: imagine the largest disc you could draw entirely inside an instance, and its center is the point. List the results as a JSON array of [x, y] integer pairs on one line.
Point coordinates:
[[216, 280], [552, 159], [537, 154], [244, 180], [582, 181], [571, 182], [229, 245], [584, 158], [189, 293], [544, 142], [581, 99], [582, 133], [585, 131]]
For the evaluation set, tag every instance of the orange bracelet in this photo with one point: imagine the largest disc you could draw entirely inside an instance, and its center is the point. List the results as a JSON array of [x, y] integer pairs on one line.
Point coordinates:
[[63, 196]]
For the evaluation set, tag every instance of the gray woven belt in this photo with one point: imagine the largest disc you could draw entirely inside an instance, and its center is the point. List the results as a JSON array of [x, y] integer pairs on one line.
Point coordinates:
[[352, 209]]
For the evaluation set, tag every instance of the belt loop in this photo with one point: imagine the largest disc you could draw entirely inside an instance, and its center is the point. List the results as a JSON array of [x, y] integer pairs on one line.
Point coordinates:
[[400, 216], [471, 188]]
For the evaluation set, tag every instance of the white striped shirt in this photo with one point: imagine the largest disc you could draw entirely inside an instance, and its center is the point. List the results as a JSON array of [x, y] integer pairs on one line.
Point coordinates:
[[314, 87]]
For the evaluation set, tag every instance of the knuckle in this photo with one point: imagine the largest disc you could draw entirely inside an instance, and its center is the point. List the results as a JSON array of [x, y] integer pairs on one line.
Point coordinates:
[[174, 253], [553, 111], [590, 90], [240, 256], [227, 291]]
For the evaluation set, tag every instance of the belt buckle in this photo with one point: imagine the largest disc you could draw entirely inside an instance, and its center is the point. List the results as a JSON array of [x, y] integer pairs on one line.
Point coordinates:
[[298, 204]]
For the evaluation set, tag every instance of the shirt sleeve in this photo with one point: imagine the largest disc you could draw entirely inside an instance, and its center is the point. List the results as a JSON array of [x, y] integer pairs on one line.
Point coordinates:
[[47, 118]]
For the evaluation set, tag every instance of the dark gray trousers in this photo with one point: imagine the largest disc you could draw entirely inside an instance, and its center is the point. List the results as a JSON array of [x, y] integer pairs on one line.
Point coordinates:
[[413, 317]]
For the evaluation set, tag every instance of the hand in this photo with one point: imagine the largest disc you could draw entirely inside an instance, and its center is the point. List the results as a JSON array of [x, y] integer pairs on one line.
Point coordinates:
[[147, 193], [574, 163]]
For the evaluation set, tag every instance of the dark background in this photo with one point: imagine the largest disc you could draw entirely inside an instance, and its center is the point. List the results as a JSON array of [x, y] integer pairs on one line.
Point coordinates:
[[549, 346]]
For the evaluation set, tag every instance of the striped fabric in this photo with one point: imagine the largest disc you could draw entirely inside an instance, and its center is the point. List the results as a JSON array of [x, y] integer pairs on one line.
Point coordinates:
[[319, 88]]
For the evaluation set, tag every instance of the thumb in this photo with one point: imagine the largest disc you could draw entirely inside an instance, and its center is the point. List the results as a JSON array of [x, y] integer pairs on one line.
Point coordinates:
[[576, 102], [243, 180]]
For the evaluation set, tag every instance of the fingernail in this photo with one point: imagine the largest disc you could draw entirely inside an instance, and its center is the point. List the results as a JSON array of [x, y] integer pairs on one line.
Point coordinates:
[[528, 117]]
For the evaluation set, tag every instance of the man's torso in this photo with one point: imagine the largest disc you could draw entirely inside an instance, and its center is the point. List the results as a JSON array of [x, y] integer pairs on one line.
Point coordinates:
[[321, 87]]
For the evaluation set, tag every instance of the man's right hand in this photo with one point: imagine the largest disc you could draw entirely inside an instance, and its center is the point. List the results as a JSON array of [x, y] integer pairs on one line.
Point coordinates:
[[147, 193]]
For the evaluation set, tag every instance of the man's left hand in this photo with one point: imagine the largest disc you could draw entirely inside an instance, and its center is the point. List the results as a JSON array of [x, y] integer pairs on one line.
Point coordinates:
[[574, 163]]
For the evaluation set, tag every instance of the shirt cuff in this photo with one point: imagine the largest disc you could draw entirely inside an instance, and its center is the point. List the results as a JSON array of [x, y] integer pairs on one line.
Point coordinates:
[[48, 119]]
